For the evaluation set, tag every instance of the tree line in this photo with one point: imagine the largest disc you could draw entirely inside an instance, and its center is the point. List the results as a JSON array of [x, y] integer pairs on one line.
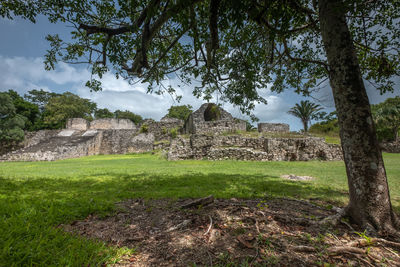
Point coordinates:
[[386, 116]]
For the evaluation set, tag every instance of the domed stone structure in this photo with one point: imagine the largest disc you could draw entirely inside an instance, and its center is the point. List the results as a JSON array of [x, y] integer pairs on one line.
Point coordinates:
[[210, 118]]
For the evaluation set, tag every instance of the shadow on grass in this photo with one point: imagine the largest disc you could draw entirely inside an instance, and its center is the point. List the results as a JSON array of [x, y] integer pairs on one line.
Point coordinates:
[[31, 208]]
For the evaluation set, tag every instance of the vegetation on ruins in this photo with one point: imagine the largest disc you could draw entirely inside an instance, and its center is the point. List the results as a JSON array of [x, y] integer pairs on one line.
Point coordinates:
[[237, 47], [306, 111], [181, 112], [135, 118]]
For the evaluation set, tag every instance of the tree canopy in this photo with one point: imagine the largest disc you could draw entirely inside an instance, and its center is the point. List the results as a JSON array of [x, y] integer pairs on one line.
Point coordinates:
[[67, 105], [11, 124], [39, 97], [29, 111], [233, 47], [103, 113], [181, 112]]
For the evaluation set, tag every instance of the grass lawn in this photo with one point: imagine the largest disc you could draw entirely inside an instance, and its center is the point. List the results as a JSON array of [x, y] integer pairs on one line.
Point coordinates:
[[35, 197]]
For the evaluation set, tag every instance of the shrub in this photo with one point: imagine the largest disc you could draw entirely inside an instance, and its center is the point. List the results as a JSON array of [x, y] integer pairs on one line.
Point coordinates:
[[173, 133], [326, 127], [144, 128]]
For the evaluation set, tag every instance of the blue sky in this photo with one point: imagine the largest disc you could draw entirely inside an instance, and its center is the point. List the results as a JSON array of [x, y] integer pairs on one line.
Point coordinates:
[[21, 68]]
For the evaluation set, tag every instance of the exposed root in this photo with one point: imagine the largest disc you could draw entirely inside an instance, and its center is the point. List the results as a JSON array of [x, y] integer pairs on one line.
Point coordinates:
[[356, 249], [199, 202], [209, 227], [336, 218]]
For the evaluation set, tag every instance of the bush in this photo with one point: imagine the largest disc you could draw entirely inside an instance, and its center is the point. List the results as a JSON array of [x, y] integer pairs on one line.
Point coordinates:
[[144, 128], [384, 134], [212, 113], [325, 127], [173, 133]]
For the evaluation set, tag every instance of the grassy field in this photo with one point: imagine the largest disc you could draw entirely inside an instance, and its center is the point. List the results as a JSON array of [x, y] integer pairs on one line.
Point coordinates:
[[35, 197]]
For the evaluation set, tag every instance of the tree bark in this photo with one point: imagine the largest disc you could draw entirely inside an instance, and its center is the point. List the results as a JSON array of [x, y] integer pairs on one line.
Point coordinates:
[[305, 125], [369, 205]]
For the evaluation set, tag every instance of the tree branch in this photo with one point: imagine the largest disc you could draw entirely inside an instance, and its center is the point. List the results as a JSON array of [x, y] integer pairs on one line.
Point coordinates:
[[287, 53], [167, 50], [109, 31], [139, 61]]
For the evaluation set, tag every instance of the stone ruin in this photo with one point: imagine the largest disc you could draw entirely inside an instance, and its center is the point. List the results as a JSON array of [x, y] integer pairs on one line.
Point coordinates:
[[211, 119], [273, 127], [84, 138], [209, 133]]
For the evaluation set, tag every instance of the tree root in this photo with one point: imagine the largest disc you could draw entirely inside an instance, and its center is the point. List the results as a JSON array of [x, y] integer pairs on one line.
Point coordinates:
[[199, 202], [356, 249], [336, 218]]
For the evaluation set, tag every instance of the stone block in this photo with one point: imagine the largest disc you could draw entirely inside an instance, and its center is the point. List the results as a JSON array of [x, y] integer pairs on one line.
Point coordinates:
[[77, 124], [273, 127], [112, 124]]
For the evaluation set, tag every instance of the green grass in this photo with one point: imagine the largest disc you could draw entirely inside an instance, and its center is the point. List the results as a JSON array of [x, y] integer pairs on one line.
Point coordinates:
[[331, 138], [35, 197]]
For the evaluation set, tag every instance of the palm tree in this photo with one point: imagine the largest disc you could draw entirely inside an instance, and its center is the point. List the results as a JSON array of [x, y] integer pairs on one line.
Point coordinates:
[[305, 111]]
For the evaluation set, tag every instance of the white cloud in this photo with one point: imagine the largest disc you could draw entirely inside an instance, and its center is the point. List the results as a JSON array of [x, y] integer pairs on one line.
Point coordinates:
[[23, 74]]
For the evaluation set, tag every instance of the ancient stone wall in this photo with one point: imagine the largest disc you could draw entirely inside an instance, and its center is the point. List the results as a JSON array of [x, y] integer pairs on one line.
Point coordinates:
[[30, 139], [125, 141], [162, 129], [112, 124], [219, 127], [77, 124], [246, 148], [58, 147], [273, 127], [390, 147], [73, 144]]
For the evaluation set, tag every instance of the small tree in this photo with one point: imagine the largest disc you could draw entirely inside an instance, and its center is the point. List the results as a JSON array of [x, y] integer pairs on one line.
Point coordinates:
[[306, 111], [39, 97], [65, 106], [135, 118], [180, 112]]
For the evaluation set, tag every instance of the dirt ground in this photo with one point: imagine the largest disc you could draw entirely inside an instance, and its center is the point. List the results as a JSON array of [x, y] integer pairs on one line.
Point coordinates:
[[234, 232]]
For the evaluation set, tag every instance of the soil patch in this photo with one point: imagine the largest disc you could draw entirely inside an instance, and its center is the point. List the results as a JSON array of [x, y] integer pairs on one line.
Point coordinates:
[[261, 232]]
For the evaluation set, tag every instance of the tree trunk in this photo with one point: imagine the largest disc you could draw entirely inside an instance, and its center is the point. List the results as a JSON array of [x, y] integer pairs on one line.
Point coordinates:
[[396, 134], [305, 125], [369, 205]]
